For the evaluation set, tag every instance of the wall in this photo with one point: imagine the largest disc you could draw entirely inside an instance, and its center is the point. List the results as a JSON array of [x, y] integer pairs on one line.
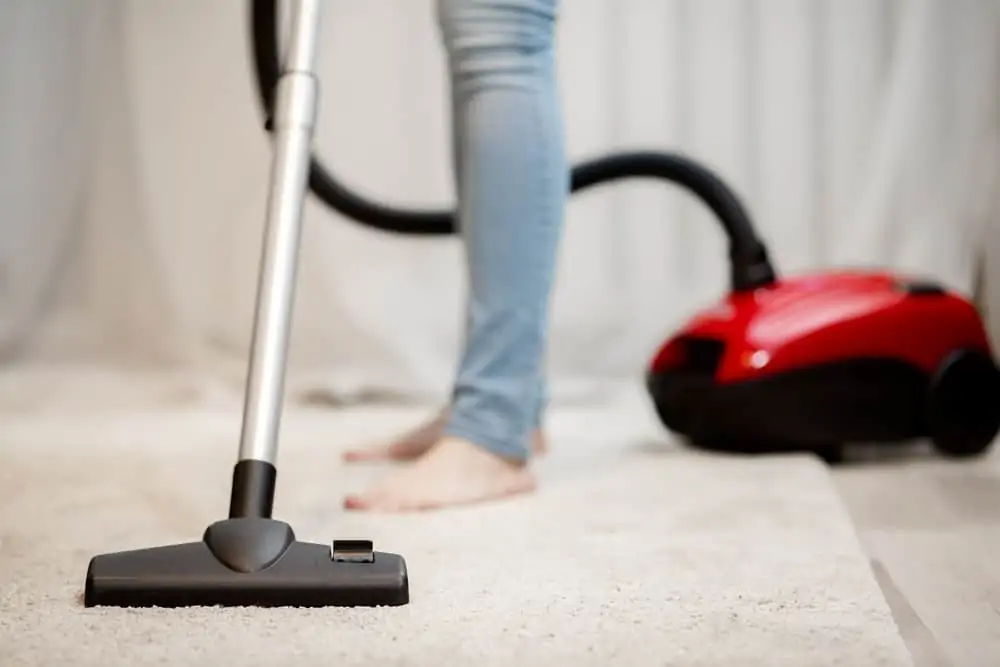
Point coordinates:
[[859, 133]]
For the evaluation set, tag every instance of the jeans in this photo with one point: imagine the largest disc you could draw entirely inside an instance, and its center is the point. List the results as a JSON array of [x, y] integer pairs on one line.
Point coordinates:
[[512, 180]]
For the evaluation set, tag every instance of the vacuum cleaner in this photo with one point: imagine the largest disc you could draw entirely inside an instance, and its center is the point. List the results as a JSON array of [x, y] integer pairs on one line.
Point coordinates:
[[251, 559], [805, 363], [816, 362]]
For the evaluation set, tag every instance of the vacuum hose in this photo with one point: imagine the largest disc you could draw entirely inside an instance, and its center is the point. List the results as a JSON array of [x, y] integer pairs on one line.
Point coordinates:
[[749, 264]]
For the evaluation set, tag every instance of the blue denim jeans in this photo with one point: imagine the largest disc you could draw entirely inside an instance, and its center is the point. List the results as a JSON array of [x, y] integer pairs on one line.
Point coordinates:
[[512, 180]]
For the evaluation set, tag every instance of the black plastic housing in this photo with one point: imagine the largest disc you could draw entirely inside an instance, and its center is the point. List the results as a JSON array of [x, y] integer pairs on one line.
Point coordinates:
[[247, 562], [819, 408], [860, 401]]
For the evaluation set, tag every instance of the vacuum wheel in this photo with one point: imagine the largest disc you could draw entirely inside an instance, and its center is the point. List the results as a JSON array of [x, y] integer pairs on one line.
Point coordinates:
[[963, 411]]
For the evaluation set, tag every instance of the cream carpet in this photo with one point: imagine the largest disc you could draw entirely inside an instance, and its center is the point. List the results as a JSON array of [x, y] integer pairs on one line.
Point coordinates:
[[630, 554]]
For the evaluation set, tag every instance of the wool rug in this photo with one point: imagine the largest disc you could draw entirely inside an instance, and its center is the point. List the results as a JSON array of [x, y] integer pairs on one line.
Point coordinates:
[[632, 552]]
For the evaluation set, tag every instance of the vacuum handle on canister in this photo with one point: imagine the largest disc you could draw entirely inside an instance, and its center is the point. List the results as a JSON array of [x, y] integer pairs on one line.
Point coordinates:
[[750, 267]]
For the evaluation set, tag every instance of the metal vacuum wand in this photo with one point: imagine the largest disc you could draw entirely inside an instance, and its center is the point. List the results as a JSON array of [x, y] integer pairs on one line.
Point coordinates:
[[293, 124], [251, 559]]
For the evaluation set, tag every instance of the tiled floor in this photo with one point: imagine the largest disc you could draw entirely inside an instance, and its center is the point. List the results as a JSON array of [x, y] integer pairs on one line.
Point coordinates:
[[932, 528]]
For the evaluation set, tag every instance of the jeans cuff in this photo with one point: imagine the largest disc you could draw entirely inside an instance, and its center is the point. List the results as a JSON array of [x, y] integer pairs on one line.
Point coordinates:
[[511, 447]]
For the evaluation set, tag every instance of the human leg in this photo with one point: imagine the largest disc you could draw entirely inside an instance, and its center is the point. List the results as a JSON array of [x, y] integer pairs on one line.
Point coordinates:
[[509, 171], [513, 178]]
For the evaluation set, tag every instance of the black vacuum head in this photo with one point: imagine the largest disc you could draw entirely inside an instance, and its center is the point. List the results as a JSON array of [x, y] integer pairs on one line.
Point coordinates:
[[248, 562]]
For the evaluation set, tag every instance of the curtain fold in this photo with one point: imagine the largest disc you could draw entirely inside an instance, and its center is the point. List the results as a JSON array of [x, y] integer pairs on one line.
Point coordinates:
[[134, 173]]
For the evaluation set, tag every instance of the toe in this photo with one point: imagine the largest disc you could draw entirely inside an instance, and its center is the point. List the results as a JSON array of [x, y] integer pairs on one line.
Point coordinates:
[[355, 455], [359, 501], [382, 503]]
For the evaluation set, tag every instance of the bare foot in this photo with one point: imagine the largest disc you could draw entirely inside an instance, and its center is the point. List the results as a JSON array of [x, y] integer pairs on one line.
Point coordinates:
[[452, 472], [417, 442], [406, 447]]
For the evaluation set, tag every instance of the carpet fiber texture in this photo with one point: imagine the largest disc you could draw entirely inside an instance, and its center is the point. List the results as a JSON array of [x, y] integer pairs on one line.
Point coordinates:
[[629, 554]]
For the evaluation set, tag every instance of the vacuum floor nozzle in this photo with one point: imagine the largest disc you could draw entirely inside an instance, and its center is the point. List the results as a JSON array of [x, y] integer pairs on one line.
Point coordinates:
[[248, 562], [250, 559]]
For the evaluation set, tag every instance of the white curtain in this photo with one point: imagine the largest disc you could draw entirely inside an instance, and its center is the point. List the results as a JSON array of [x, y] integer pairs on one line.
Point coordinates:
[[134, 168]]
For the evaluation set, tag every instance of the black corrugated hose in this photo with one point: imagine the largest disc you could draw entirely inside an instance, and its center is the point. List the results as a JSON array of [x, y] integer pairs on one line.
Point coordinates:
[[750, 266]]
